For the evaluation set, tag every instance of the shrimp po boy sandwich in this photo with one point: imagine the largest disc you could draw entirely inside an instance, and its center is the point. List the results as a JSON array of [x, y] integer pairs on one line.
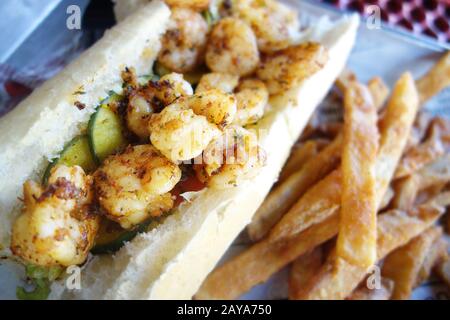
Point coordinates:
[[142, 161]]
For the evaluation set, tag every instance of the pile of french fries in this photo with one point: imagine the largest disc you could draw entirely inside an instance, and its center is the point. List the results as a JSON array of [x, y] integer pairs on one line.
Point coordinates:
[[359, 211]]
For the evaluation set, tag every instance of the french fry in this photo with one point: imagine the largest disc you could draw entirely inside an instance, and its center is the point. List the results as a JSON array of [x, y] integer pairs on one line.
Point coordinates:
[[382, 293], [406, 190], [388, 196], [337, 278], [403, 265], [436, 254], [394, 130], [435, 174], [419, 130], [299, 156], [356, 240], [263, 259], [345, 79], [443, 271], [286, 194], [379, 92], [442, 199], [420, 155], [303, 269], [318, 203], [436, 79], [400, 113]]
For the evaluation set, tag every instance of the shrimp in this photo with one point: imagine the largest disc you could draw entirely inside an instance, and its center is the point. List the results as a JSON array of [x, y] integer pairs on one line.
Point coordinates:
[[138, 113], [56, 226], [232, 48], [134, 185], [184, 42], [146, 100], [231, 159], [275, 25], [252, 97], [180, 134], [170, 87], [197, 5], [287, 68], [216, 80], [218, 107]]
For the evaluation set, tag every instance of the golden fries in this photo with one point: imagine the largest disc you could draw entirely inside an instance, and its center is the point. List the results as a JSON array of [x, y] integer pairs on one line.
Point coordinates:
[[382, 293], [403, 265], [321, 201], [303, 269], [435, 255], [420, 155], [443, 271], [435, 79], [397, 123], [337, 278], [435, 174], [287, 193], [388, 196], [260, 261], [356, 241], [299, 156], [345, 79], [394, 130], [379, 92]]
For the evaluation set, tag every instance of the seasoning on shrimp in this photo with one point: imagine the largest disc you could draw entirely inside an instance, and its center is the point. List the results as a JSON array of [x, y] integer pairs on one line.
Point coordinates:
[[184, 42], [232, 48], [287, 68], [135, 185], [56, 226]]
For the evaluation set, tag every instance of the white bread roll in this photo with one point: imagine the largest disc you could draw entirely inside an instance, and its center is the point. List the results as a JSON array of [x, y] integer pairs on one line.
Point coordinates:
[[37, 129], [172, 260]]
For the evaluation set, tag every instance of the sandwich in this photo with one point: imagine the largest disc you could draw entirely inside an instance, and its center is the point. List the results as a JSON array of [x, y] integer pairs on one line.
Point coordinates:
[[142, 161]]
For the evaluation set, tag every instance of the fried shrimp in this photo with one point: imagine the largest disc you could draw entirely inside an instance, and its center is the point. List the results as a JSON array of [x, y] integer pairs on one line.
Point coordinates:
[[148, 99], [56, 226], [216, 80], [275, 25], [197, 5], [287, 68], [170, 87], [252, 98], [184, 42], [218, 107], [232, 48], [135, 185], [231, 159], [180, 134], [139, 110]]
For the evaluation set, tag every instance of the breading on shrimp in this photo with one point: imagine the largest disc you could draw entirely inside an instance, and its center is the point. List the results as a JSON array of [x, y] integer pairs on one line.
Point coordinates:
[[231, 159], [180, 134], [217, 80], [287, 68], [135, 185], [197, 5], [150, 98], [170, 87], [184, 42], [252, 98], [275, 25], [57, 226], [217, 106], [232, 48]]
